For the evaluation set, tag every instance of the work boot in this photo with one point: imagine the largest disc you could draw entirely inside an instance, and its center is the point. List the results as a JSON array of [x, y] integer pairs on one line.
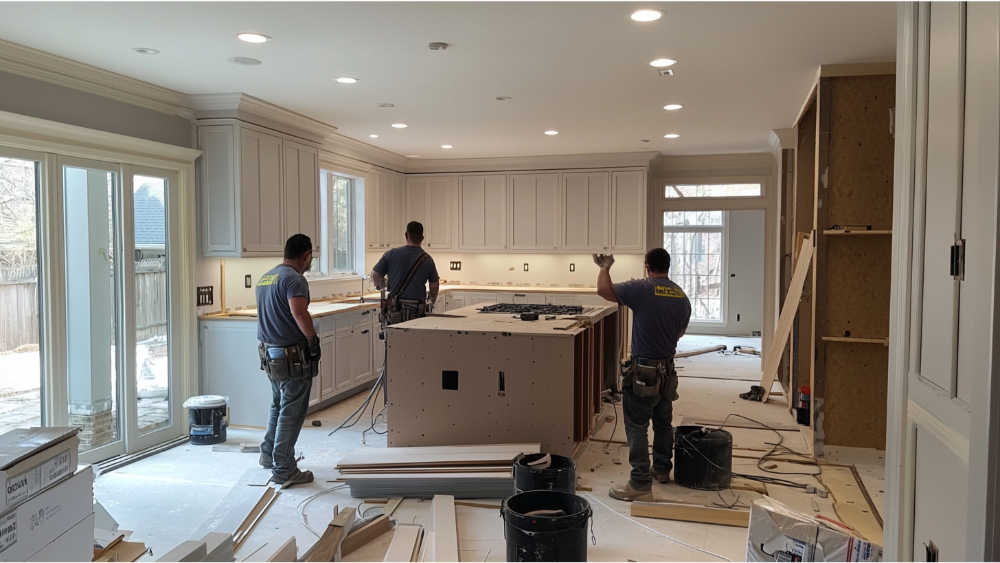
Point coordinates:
[[266, 462], [628, 494], [662, 478], [298, 477]]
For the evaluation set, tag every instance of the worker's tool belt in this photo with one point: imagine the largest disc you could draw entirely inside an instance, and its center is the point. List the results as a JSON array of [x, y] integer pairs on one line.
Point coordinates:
[[405, 310], [282, 363], [650, 377]]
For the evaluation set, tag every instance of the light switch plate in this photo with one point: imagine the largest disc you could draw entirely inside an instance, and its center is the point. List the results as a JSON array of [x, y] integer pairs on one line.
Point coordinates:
[[572, 267], [456, 265], [248, 281], [525, 266]]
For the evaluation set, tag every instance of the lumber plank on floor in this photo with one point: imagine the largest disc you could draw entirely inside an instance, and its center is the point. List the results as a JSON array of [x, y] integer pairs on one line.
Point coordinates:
[[187, 551], [392, 505], [691, 513], [850, 503], [738, 423], [445, 546], [228, 515], [405, 541], [360, 537], [329, 544], [287, 552]]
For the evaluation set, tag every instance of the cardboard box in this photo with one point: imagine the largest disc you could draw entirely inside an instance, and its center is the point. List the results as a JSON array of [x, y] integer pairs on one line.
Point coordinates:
[[778, 533], [34, 459], [37, 522], [76, 544]]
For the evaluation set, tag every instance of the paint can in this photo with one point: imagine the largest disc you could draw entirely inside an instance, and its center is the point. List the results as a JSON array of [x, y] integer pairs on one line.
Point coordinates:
[[557, 475], [207, 417], [533, 537], [703, 458]]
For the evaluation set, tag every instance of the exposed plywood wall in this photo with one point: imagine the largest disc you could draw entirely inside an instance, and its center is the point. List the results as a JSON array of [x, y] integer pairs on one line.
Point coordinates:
[[858, 293], [856, 395]]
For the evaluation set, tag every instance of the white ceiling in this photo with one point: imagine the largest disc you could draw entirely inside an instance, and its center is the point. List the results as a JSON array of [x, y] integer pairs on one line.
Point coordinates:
[[579, 68]]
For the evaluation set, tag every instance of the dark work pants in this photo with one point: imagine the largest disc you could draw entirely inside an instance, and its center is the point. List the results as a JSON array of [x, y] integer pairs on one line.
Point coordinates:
[[638, 412], [289, 403]]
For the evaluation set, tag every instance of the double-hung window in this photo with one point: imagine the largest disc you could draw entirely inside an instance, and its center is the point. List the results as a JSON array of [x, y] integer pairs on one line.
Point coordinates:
[[337, 226], [696, 243]]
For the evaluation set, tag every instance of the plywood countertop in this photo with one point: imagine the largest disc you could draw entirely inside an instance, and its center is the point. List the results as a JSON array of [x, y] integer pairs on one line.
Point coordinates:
[[471, 320]]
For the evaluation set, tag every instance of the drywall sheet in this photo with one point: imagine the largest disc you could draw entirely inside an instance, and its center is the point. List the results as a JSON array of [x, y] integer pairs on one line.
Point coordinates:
[[455, 388]]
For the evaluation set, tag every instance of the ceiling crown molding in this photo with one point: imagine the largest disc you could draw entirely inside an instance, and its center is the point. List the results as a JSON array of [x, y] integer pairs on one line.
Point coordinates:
[[717, 162], [782, 139], [357, 150], [39, 65], [240, 106], [557, 162]]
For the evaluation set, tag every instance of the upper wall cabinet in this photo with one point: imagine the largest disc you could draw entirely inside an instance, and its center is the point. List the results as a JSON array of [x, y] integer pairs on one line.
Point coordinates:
[[429, 202], [258, 188], [585, 200], [534, 211], [628, 211], [384, 207], [482, 204]]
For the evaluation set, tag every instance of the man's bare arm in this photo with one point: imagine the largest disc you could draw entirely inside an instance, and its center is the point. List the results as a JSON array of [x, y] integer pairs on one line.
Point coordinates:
[[300, 312], [378, 279], [604, 287], [434, 287]]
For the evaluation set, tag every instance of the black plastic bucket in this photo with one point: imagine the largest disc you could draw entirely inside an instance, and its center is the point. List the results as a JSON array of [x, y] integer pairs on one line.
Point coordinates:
[[560, 475], [703, 458], [207, 416], [546, 538]]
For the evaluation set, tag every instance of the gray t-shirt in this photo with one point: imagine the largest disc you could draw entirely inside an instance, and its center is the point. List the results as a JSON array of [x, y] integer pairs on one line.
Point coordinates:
[[660, 311], [397, 262], [275, 324]]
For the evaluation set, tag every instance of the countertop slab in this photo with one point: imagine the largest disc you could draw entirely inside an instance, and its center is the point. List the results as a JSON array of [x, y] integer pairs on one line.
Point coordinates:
[[470, 319]]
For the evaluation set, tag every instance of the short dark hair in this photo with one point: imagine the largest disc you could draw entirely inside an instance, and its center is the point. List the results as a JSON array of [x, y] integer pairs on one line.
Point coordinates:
[[658, 261], [296, 246], [415, 230]]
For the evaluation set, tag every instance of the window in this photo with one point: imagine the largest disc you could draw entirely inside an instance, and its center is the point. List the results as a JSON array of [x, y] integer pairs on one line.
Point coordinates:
[[338, 204], [695, 241], [712, 190]]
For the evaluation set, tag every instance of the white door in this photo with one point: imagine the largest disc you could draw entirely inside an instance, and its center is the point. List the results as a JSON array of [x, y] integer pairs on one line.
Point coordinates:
[[584, 201], [482, 217], [534, 211]]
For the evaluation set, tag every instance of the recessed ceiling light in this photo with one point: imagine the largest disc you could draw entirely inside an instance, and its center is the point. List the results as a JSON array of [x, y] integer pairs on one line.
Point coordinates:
[[438, 46], [643, 140], [646, 15], [660, 63], [346, 80], [671, 136], [387, 105], [399, 125], [502, 98], [672, 107], [552, 132], [253, 37], [373, 136], [446, 146], [246, 61], [146, 51]]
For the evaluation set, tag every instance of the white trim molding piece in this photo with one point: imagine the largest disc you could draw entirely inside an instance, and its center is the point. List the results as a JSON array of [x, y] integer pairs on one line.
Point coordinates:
[[783, 139], [527, 163], [39, 65], [210, 106], [363, 152], [716, 162], [958, 444]]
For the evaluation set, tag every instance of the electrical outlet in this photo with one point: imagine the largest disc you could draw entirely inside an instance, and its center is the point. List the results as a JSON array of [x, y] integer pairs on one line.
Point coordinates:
[[456, 265], [247, 281], [755, 333], [525, 266], [572, 267], [205, 295]]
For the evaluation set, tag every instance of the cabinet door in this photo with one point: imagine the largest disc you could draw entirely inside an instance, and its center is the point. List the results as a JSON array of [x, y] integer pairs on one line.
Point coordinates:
[[218, 190], [327, 381], [628, 210], [533, 211], [361, 354], [416, 202], [439, 214], [373, 212], [584, 204], [480, 299], [397, 218], [262, 216], [378, 350], [562, 299], [301, 168], [506, 298], [343, 376], [482, 206]]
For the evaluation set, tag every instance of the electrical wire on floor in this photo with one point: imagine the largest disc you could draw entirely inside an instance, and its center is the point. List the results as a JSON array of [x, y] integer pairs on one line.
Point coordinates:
[[379, 383], [300, 510], [775, 448], [661, 534], [614, 405]]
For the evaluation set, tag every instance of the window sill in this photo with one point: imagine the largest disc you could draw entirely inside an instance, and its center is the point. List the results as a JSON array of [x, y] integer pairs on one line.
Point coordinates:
[[708, 323], [348, 277]]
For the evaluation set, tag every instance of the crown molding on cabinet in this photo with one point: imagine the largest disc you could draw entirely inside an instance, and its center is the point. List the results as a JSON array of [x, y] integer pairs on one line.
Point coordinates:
[[782, 139], [237, 105], [39, 65], [363, 152], [559, 162], [716, 162]]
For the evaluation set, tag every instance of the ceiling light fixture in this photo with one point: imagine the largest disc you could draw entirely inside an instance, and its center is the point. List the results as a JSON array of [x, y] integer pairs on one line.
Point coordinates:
[[346, 80], [671, 136], [250, 37], [245, 61], [438, 46], [672, 107], [373, 136], [552, 132], [145, 51], [502, 98], [387, 105], [647, 15], [660, 63], [446, 146], [399, 125]]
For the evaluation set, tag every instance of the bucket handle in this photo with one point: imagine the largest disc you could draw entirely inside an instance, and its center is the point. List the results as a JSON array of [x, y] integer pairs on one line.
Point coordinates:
[[503, 510]]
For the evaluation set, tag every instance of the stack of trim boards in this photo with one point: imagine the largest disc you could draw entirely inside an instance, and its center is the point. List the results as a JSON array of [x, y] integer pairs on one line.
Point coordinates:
[[461, 471]]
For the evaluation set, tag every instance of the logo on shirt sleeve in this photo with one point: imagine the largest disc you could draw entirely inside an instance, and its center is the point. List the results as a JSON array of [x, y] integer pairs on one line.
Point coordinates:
[[661, 291], [268, 280]]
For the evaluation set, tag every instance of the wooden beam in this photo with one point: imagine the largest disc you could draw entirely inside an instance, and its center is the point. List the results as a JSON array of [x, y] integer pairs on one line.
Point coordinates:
[[328, 546], [786, 317], [691, 513], [445, 529], [404, 544], [392, 505], [287, 552], [699, 351], [882, 341], [835, 232], [365, 534]]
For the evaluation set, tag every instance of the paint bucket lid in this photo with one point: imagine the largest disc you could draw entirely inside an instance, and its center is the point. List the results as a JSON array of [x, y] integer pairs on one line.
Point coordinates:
[[206, 402]]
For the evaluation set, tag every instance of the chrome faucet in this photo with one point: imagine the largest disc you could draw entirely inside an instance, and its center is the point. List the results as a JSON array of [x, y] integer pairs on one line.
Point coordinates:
[[363, 278]]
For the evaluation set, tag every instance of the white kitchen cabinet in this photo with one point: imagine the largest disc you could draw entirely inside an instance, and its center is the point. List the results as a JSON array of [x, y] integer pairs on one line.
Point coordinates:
[[584, 205], [521, 298], [534, 211], [384, 210], [482, 212], [378, 348], [261, 193], [592, 301], [562, 299], [301, 189], [628, 211], [344, 340], [361, 353], [428, 200], [327, 382]]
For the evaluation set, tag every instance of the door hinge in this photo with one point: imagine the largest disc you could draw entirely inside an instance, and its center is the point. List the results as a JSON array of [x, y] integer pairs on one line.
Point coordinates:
[[957, 264]]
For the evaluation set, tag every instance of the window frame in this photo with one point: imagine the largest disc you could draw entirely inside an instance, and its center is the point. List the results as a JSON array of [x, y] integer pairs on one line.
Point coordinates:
[[356, 196], [723, 259], [712, 182]]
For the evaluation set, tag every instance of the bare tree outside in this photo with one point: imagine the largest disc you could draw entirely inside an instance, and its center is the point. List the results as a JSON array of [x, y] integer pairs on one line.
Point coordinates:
[[18, 234]]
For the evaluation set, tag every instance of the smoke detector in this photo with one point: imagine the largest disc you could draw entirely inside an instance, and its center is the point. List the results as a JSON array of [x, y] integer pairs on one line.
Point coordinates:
[[438, 46]]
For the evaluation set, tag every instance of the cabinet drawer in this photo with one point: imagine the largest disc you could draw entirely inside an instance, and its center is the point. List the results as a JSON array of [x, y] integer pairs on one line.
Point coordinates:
[[362, 319]]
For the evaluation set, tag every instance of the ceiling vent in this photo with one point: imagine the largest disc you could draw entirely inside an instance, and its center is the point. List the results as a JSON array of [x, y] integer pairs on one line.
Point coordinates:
[[437, 46], [666, 72]]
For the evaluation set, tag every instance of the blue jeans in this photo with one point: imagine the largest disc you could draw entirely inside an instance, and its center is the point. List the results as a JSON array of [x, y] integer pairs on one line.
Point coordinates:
[[289, 403], [638, 412]]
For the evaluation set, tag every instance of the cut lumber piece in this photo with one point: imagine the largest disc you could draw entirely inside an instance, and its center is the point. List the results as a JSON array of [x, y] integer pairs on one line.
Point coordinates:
[[404, 544], [788, 310], [249, 528], [691, 513], [854, 232], [739, 423], [689, 353], [392, 505], [477, 504], [365, 534], [328, 546], [187, 551], [123, 551], [233, 509], [445, 548], [261, 478], [220, 546], [748, 485], [426, 548], [882, 341], [850, 502], [287, 552], [265, 501]]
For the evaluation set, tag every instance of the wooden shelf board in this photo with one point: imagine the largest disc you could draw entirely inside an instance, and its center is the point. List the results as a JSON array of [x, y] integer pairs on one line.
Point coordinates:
[[850, 232], [882, 341]]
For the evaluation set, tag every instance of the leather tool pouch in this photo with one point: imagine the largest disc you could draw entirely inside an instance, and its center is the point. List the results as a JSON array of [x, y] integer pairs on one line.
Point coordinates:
[[276, 364], [647, 381]]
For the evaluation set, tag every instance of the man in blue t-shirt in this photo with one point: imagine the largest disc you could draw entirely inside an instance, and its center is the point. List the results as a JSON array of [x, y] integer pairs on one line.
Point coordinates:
[[396, 264], [660, 315], [289, 353]]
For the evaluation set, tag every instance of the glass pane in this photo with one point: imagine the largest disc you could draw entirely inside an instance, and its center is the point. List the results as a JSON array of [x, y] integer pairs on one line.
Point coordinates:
[[152, 367], [20, 358], [340, 223], [693, 218], [91, 304], [696, 259], [713, 190]]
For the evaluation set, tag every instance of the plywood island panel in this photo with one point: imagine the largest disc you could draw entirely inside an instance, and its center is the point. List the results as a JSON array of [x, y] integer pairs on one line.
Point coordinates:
[[473, 378]]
